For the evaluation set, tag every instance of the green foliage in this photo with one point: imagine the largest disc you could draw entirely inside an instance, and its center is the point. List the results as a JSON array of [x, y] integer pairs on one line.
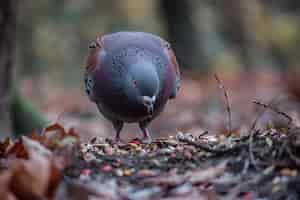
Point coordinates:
[[25, 118]]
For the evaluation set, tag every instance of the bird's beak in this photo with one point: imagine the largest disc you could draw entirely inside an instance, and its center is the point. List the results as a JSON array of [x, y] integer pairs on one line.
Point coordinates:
[[149, 103], [150, 109]]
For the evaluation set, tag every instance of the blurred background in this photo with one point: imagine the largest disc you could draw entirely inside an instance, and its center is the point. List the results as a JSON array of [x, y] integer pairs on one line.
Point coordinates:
[[253, 46]]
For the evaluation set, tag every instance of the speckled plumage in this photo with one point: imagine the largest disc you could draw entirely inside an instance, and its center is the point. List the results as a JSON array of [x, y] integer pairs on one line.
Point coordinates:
[[131, 76]]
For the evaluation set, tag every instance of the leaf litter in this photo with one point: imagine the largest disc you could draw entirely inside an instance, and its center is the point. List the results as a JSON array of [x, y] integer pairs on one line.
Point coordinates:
[[56, 164]]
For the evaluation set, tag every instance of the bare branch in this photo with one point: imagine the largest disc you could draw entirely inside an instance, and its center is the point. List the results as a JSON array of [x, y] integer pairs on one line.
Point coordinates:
[[228, 109], [276, 110]]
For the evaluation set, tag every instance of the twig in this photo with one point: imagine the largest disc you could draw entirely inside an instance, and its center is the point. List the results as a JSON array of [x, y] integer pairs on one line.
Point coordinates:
[[202, 134], [251, 154], [292, 155], [210, 149], [259, 116], [288, 148], [284, 146], [274, 109], [245, 186], [252, 132], [221, 86]]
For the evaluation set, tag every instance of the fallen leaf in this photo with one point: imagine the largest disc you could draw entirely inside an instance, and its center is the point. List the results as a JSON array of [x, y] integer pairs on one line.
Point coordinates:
[[18, 150], [5, 178], [30, 178], [4, 146]]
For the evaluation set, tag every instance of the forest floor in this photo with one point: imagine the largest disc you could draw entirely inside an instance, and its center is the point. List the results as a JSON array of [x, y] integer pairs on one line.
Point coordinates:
[[260, 159], [56, 165]]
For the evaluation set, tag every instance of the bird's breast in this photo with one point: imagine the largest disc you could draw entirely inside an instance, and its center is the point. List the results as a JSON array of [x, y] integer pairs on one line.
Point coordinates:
[[126, 74]]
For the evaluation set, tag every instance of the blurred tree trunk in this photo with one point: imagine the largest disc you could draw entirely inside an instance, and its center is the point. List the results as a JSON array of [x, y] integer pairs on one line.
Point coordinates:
[[287, 5], [182, 33], [16, 113], [240, 27], [25, 40], [7, 62], [293, 5]]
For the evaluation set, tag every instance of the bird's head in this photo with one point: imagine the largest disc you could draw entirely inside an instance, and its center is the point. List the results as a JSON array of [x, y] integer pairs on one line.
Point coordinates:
[[140, 81], [145, 83]]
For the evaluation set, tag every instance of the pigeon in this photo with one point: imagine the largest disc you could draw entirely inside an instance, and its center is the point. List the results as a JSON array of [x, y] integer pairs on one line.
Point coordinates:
[[130, 76]]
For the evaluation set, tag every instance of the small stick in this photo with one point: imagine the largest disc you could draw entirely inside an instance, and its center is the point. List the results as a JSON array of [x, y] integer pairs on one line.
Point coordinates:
[[203, 134], [251, 154], [221, 86], [274, 109], [216, 151], [288, 148], [292, 155], [252, 132], [252, 128]]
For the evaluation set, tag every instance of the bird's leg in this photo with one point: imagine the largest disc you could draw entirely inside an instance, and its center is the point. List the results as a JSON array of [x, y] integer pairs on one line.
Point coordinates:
[[145, 131], [118, 125]]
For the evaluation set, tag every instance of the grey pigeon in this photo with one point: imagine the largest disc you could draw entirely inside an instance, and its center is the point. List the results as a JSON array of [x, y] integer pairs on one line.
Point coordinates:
[[131, 76]]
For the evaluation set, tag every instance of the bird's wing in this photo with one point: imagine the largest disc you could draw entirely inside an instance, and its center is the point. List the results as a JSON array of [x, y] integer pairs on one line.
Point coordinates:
[[93, 59], [174, 62], [174, 65]]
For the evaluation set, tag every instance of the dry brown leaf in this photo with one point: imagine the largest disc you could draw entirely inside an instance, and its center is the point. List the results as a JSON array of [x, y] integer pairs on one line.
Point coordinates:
[[57, 128], [34, 147], [4, 146], [18, 150], [30, 177], [35, 177], [56, 136], [38, 137], [4, 186], [54, 180]]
